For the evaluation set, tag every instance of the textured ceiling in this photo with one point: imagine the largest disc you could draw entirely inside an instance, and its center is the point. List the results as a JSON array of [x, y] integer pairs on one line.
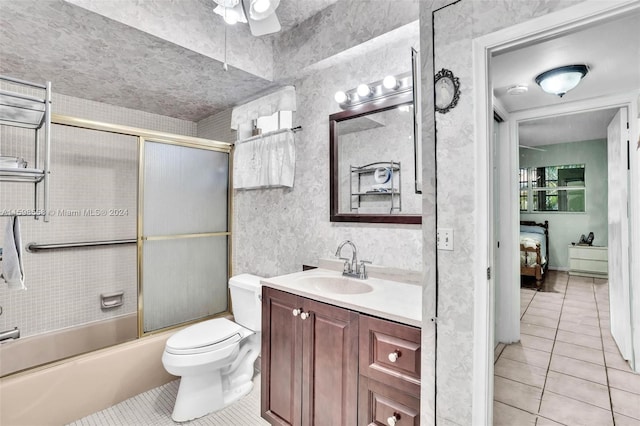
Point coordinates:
[[88, 55]]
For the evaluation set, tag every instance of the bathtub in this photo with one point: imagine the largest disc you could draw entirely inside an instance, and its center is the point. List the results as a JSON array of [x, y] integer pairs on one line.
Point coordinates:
[[27, 352]]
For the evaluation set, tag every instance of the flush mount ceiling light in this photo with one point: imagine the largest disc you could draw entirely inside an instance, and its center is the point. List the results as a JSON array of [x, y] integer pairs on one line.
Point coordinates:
[[559, 81], [518, 89], [262, 9]]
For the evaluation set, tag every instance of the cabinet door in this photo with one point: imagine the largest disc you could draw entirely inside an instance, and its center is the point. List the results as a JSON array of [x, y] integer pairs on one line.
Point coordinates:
[[281, 358], [330, 366]]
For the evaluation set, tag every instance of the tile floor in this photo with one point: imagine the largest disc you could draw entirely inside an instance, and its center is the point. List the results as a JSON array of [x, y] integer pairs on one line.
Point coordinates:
[[154, 407], [566, 369]]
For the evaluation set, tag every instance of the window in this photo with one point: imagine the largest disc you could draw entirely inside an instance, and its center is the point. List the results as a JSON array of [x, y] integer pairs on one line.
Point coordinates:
[[552, 189]]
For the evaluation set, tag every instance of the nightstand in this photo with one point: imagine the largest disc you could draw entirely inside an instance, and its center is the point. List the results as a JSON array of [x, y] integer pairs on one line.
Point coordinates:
[[588, 261]]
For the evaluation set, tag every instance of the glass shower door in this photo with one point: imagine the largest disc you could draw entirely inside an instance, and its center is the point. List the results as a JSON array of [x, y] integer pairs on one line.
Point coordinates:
[[184, 234]]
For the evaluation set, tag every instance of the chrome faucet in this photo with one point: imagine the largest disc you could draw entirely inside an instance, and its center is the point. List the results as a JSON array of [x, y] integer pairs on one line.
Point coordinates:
[[351, 267]]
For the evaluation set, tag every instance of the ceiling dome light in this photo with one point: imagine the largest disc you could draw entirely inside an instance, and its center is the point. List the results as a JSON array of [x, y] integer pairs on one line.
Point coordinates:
[[518, 89], [340, 97], [390, 82], [559, 81], [363, 90]]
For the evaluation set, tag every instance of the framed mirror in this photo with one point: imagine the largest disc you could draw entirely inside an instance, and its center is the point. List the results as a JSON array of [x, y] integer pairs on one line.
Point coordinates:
[[372, 163]]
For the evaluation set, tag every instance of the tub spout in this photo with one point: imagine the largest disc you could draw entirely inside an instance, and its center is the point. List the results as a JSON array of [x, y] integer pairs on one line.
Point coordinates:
[[10, 334]]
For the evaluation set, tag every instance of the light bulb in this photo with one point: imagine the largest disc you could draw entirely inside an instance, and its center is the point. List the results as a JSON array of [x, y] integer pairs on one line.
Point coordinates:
[[230, 17], [261, 6], [340, 97], [390, 82], [363, 90]]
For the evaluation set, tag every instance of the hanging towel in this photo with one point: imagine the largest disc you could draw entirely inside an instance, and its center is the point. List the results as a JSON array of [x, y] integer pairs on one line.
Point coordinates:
[[12, 269], [265, 161]]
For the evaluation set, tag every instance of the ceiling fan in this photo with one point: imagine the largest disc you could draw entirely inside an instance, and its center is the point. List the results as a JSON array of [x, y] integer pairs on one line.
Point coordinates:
[[259, 14]]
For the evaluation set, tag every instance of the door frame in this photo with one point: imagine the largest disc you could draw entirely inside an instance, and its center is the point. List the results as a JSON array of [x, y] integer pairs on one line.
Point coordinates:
[[553, 24]]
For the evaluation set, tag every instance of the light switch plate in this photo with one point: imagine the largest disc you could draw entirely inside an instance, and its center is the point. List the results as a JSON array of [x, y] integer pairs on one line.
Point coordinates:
[[445, 239]]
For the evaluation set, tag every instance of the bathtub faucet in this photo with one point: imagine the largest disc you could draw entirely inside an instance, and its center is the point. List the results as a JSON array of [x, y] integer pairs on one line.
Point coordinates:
[[9, 334], [351, 267]]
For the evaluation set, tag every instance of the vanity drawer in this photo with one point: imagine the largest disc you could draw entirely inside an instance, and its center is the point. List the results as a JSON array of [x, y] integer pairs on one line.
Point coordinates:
[[390, 353], [381, 405]]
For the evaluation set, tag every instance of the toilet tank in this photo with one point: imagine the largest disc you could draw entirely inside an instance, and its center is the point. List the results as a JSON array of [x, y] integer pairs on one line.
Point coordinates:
[[245, 299]]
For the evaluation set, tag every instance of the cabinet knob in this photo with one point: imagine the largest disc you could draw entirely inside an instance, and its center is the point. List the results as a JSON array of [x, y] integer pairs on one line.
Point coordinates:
[[304, 315], [296, 312], [391, 421], [393, 356]]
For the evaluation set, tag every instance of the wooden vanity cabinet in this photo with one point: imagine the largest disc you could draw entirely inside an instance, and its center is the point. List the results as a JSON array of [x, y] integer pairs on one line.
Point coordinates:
[[390, 358], [309, 361]]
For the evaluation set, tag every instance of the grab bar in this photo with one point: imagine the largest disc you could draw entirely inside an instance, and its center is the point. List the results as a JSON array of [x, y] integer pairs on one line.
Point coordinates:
[[34, 247]]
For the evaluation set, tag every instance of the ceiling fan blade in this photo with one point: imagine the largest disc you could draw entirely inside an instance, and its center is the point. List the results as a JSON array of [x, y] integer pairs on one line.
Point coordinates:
[[269, 25]]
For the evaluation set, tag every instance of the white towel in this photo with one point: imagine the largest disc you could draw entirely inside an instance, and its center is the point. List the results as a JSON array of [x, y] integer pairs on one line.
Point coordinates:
[[12, 269]]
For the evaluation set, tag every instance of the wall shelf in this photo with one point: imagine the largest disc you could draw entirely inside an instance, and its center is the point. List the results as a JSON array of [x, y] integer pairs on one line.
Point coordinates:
[[363, 186], [30, 112]]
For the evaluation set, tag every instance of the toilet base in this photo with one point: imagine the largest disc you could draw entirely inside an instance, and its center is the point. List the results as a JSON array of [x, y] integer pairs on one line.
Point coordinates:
[[202, 395]]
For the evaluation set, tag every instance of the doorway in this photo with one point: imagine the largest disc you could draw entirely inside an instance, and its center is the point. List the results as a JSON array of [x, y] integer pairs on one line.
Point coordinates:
[[483, 49]]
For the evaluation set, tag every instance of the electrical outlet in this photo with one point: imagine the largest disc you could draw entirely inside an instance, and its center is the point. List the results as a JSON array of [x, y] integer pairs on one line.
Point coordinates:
[[445, 239]]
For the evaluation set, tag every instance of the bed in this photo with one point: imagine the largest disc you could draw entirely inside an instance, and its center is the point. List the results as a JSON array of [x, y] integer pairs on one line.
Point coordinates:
[[534, 250]]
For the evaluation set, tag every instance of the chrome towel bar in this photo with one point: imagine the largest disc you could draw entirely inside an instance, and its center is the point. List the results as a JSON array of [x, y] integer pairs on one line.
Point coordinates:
[[34, 247]]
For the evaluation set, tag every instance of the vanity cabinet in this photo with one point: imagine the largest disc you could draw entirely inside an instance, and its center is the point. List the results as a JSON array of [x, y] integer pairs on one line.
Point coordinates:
[[309, 361], [326, 365], [389, 373]]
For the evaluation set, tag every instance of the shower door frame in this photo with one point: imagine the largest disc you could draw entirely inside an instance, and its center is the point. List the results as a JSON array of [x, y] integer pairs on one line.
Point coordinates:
[[143, 135]]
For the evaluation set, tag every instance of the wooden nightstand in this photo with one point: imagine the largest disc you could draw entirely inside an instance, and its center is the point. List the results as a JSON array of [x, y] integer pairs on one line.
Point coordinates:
[[588, 261]]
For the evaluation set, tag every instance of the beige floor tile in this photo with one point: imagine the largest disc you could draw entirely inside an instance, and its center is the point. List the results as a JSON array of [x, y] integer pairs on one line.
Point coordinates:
[[516, 352], [582, 390], [541, 304], [578, 368], [497, 351], [506, 415], [578, 352], [570, 411], [579, 339], [579, 295], [590, 306], [541, 312], [534, 342], [546, 422], [540, 320], [517, 394], [615, 360], [625, 403], [520, 372], [591, 321], [624, 420], [609, 344], [537, 330], [579, 328], [624, 380], [587, 313]]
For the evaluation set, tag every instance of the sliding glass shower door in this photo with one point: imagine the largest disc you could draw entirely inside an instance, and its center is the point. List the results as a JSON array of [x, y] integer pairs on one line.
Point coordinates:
[[183, 234]]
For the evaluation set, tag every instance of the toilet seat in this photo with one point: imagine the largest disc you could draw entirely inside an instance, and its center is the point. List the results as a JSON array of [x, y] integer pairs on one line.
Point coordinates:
[[206, 336]]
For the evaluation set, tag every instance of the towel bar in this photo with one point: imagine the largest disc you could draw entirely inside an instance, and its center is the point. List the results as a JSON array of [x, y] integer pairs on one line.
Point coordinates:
[[34, 247]]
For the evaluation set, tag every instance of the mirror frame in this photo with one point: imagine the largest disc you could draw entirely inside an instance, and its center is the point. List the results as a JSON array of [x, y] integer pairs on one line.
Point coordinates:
[[379, 105]]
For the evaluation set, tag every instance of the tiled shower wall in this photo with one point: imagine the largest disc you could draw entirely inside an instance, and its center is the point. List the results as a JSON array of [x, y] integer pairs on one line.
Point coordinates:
[[93, 197]]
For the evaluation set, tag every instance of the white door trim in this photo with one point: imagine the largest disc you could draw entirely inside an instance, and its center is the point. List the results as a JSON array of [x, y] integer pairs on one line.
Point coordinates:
[[552, 24]]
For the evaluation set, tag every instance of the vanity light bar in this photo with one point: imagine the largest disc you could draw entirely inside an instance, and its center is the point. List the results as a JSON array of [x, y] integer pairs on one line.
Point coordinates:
[[376, 90]]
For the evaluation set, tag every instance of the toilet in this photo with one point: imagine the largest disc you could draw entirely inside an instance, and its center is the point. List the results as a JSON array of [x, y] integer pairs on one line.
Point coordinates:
[[215, 358]]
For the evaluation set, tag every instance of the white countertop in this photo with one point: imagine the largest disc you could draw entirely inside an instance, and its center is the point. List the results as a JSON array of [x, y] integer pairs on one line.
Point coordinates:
[[387, 299]]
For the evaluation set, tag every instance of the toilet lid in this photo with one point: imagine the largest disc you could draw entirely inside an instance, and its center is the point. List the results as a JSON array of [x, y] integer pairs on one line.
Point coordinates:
[[203, 334]]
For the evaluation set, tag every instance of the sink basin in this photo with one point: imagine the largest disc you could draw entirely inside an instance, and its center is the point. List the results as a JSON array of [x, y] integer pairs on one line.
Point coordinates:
[[339, 285]]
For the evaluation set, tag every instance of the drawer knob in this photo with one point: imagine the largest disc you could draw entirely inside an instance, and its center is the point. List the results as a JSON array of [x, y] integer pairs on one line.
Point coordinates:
[[304, 315], [393, 356], [391, 421], [296, 312]]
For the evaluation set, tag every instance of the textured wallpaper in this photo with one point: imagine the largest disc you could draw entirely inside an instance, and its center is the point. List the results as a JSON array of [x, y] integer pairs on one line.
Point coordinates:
[[455, 27], [278, 230]]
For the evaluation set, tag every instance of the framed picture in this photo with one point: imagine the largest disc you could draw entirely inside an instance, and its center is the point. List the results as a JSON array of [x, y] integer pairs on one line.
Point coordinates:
[[447, 91]]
